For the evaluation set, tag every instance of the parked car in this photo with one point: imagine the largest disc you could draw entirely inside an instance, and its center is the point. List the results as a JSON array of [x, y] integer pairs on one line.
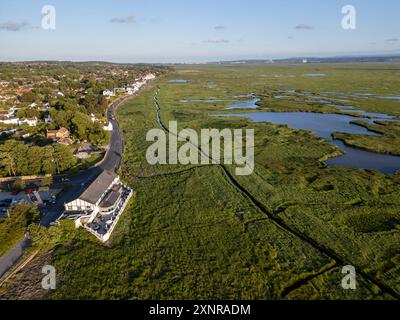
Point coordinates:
[[17, 201], [5, 202]]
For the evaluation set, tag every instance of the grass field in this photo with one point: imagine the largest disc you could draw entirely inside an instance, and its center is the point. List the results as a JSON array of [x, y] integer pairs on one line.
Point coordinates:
[[190, 234]]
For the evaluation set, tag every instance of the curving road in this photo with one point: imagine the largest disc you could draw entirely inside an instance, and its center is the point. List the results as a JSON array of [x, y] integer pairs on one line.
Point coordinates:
[[79, 182], [76, 185]]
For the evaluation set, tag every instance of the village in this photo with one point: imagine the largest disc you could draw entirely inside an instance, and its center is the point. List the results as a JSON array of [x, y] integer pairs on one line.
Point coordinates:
[[75, 119], [49, 133]]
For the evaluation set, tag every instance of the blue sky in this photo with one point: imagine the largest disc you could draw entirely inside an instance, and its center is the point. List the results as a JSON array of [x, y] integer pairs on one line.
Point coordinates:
[[195, 31]]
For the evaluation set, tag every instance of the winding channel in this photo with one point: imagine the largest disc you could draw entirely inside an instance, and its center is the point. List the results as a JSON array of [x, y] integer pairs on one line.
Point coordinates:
[[340, 261], [323, 125]]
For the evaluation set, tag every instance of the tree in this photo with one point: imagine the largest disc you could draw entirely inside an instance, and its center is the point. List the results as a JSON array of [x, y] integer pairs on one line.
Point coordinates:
[[35, 156], [18, 158], [24, 214], [82, 125], [7, 157], [19, 184], [28, 113], [48, 166], [62, 118], [46, 181], [28, 97], [63, 158]]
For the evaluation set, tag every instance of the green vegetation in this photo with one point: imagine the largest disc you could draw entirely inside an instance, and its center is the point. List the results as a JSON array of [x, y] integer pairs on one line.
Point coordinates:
[[19, 158], [189, 233], [16, 225], [387, 143], [59, 95]]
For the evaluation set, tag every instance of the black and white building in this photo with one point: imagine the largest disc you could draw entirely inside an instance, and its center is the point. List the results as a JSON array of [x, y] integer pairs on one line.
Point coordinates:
[[99, 208]]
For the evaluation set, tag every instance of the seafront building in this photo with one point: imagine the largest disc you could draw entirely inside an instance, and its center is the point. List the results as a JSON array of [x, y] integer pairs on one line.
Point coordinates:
[[100, 206]]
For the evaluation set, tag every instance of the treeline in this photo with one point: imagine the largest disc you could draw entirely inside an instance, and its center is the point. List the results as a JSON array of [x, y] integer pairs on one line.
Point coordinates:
[[18, 159]]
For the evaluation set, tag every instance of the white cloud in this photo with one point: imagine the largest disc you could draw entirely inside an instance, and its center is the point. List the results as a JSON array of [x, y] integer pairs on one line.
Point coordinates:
[[15, 26], [128, 19], [304, 27]]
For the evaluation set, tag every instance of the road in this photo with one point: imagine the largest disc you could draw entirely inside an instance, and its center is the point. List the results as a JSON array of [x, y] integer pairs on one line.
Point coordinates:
[[79, 182], [13, 255]]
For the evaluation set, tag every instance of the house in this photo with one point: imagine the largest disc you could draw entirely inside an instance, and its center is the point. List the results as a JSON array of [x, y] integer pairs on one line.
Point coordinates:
[[10, 121], [119, 90], [7, 114], [33, 105], [59, 93], [149, 77], [48, 120], [86, 147], [93, 118], [108, 127], [108, 93], [7, 132], [90, 199], [85, 151], [65, 141], [4, 113], [81, 155], [57, 134], [46, 106], [23, 134], [99, 208], [32, 122]]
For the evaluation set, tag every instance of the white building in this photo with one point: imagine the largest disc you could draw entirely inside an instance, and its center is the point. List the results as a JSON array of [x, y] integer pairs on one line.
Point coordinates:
[[108, 93], [10, 121], [89, 201], [32, 122], [119, 90], [149, 77], [93, 118], [12, 131], [108, 127], [99, 208], [46, 106], [48, 120]]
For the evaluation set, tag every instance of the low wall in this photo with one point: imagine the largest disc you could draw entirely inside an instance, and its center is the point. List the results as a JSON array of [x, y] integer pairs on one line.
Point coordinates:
[[24, 178], [8, 260]]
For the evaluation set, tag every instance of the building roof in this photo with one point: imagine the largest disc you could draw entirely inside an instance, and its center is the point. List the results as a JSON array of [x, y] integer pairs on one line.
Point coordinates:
[[65, 141], [63, 130], [22, 132], [94, 192], [111, 197]]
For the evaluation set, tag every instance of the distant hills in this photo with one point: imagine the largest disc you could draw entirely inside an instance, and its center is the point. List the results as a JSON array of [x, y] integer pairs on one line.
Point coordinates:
[[303, 60]]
